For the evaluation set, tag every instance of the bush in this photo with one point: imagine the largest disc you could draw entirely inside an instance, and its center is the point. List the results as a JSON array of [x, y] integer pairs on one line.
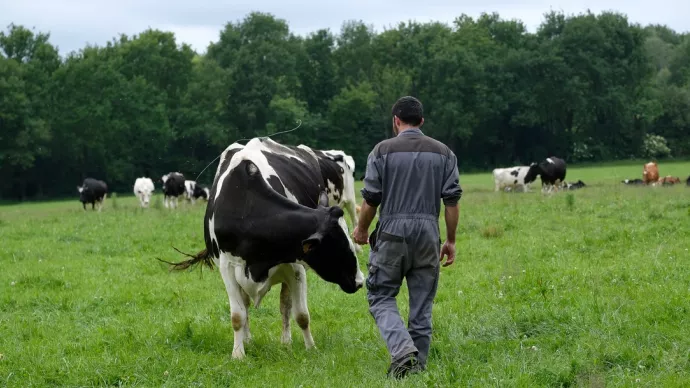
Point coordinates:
[[655, 146]]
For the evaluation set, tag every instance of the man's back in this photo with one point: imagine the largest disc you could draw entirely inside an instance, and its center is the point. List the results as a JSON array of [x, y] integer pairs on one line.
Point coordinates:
[[414, 170]]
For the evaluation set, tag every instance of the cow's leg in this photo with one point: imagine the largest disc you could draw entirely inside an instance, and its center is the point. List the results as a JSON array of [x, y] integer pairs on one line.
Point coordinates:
[[247, 333], [300, 311], [238, 310], [285, 308], [165, 201], [497, 185]]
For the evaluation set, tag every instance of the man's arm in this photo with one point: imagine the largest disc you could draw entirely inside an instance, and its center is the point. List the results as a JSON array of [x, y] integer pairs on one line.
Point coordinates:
[[372, 194], [366, 215], [452, 215], [451, 195]]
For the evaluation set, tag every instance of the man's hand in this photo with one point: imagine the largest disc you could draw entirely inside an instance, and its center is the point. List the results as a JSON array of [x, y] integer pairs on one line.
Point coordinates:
[[448, 251], [360, 236]]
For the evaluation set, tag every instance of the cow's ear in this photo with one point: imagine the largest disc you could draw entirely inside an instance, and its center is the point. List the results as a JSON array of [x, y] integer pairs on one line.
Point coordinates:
[[336, 211], [312, 242], [80, 188], [323, 199]]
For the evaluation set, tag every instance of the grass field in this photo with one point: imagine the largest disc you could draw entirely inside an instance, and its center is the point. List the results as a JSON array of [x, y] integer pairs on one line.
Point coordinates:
[[589, 288]]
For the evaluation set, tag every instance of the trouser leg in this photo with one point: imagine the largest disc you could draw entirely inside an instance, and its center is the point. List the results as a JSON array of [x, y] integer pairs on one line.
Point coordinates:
[[383, 284], [422, 284]]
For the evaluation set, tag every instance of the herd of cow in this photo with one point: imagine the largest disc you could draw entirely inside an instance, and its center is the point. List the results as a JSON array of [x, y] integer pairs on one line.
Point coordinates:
[[553, 170], [650, 176], [275, 211], [174, 184]]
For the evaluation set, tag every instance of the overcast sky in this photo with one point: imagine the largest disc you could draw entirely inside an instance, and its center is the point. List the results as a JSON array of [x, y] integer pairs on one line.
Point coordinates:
[[73, 23]]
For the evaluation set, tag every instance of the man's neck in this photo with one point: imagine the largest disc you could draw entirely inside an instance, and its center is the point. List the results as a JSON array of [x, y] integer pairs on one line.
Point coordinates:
[[406, 128]]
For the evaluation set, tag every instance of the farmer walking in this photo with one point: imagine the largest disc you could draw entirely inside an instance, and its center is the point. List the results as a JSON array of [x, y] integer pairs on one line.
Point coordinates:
[[406, 177]]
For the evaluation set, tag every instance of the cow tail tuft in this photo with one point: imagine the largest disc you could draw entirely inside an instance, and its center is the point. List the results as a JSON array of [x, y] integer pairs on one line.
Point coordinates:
[[203, 257]]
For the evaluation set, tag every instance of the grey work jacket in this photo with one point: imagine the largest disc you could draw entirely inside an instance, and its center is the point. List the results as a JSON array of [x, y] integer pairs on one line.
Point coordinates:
[[406, 178]]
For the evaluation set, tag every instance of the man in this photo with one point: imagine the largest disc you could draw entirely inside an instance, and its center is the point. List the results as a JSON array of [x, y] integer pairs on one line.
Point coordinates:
[[406, 177]]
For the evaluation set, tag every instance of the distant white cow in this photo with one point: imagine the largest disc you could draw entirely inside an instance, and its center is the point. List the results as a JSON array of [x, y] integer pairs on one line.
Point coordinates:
[[518, 177], [143, 189]]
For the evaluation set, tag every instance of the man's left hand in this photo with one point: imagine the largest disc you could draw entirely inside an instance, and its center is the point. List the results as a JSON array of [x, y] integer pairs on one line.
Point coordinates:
[[360, 236]]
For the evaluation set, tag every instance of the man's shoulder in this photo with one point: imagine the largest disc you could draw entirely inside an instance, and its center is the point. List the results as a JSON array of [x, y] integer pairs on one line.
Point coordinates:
[[421, 143]]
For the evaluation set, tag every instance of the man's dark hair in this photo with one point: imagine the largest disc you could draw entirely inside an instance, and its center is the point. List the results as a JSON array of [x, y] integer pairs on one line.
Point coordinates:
[[409, 110]]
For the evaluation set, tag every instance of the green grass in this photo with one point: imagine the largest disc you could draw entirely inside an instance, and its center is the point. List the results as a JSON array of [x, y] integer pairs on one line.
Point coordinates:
[[585, 288]]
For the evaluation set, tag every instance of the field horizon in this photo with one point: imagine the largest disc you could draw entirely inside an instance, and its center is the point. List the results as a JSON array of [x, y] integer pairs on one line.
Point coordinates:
[[582, 288]]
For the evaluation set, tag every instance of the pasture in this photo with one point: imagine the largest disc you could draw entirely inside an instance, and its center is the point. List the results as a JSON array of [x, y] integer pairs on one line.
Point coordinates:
[[585, 288]]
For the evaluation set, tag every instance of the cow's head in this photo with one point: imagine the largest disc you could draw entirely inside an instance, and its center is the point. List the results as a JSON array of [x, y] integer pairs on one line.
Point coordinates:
[[84, 193], [331, 253], [532, 173], [144, 192]]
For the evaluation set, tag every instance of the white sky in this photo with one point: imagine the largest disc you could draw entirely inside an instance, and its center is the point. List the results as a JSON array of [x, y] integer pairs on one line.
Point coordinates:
[[73, 23]]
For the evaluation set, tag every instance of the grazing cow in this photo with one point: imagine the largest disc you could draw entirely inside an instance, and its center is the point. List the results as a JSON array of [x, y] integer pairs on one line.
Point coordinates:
[[687, 182], [668, 180], [518, 177], [650, 173], [574, 186], [93, 191], [143, 189], [552, 171], [173, 187], [635, 182], [337, 170], [265, 221], [194, 191]]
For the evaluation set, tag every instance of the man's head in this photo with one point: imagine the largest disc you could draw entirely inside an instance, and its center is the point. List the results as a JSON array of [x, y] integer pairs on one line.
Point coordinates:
[[407, 113]]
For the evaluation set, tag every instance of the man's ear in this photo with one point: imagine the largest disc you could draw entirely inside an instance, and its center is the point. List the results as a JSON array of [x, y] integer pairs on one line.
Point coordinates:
[[312, 242]]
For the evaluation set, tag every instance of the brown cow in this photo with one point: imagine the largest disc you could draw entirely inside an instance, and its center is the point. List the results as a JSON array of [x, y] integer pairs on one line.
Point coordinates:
[[669, 180], [650, 173]]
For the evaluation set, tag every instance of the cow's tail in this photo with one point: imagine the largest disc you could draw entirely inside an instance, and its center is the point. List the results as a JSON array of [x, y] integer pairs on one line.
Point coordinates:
[[203, 258]]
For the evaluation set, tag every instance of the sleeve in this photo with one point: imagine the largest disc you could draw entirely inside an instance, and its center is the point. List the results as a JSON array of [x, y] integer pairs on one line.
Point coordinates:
[[372, 182], [452, 191]]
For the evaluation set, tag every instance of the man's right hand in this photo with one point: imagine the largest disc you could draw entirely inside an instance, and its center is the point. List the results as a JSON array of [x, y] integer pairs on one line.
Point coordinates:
[[448, 251]]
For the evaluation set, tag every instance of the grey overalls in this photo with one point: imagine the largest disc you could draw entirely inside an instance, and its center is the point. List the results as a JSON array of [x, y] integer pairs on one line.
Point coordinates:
[[407, 176]]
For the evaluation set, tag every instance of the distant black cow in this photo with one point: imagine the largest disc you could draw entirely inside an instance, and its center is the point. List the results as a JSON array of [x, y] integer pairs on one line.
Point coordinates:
[[574, 186], [633, 182], [194, 191], [92, 191], [173, 187], [687, 182], [552, 172]]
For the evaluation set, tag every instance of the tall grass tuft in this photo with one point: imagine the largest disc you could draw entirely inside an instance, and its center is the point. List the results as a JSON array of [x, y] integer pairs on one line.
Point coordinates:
[[157, 202], [570, 201], [113, 201], [492, 231]]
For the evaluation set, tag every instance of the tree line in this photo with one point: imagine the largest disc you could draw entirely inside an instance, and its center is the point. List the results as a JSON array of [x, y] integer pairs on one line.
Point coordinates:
[[587, 87]]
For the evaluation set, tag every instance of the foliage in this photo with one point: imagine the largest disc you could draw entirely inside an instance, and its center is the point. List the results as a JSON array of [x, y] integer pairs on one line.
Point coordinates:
[[585, 87], [655, 146]]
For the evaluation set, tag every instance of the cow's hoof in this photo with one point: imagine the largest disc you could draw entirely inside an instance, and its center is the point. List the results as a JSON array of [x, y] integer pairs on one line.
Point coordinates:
[[238, 354], [285, 340]]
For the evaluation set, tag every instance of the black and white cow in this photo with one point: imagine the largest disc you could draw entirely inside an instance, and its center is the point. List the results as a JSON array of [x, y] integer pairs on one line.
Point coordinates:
[[337, 170], [264, 223], [552, 171], [574, 186], [173, 187], [92, 191], [515, 178], [194, 191], [633, 182]]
